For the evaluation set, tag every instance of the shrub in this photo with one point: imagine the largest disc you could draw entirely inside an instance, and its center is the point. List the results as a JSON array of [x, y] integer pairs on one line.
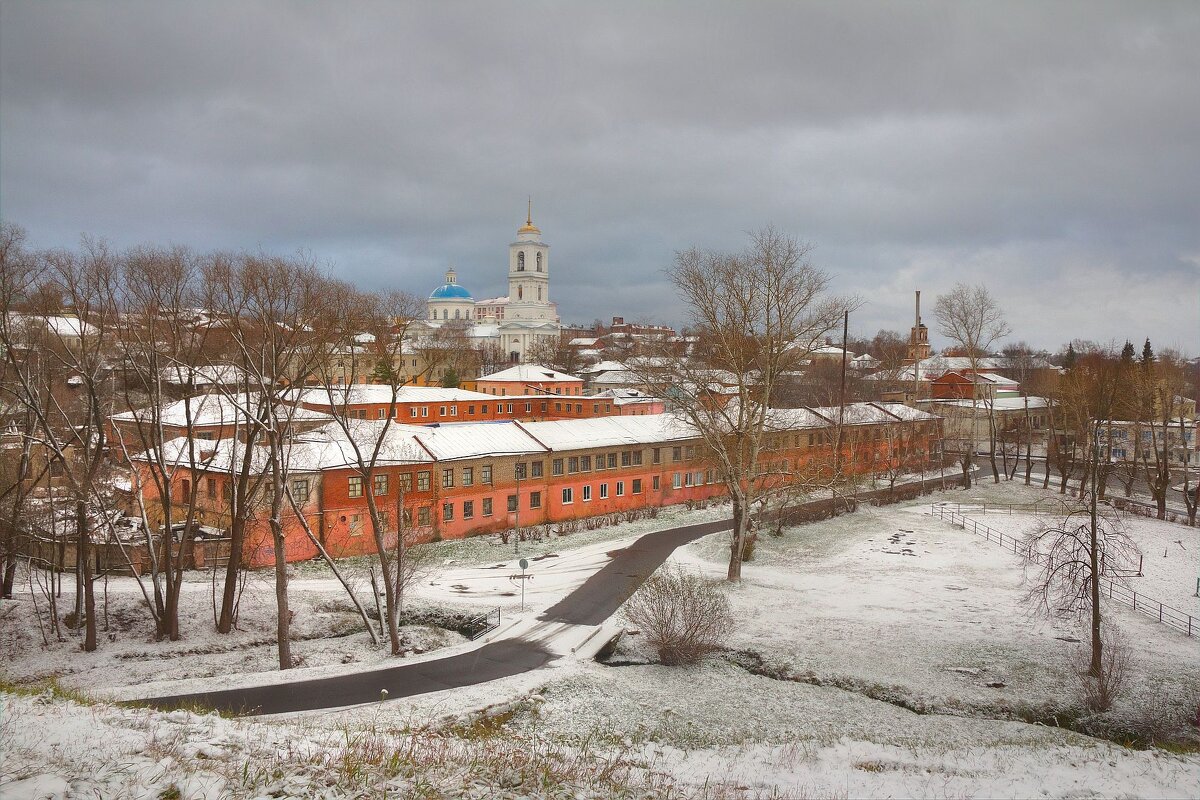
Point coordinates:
[[1099, 692], [683, 615]]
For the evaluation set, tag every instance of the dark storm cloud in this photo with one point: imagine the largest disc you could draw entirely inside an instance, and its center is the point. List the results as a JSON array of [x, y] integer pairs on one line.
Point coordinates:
[[1051, 151]]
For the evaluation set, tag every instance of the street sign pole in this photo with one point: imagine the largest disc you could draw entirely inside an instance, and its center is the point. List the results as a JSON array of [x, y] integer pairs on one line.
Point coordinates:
[[524, 566]]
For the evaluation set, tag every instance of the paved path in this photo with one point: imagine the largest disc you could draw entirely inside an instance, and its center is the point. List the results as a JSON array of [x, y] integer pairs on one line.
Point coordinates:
[[589, 605]]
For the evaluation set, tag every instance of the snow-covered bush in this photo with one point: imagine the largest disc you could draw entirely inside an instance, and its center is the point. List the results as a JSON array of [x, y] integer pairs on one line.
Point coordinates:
[[683, 615]]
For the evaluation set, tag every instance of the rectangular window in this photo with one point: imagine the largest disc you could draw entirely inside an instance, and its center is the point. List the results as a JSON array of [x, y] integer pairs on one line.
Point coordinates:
[[406, 482], [448, 478], [226, 491], [423, 481], [568, 496], [587, 494], [468, 509], [487, 506], [637, 485], [544, 406], [535, 469], [535, 499], [676, 481], [454, 411], [356, 524], [508, 408], [626, 458], [483, 408], [556, 466], [512, 503], [558, 406], [595, 408], [585, 463], [355, 487], [620, 488], [381, 485], [468, 476], [412, 411], [654, 483], [579, 408], [299, 490], [687, 479], [424, 411], [690, 452], [383, 413], [210, 485], [447, 512], [519, 471], [442, 411], [572, 465], [485, 474], [612, 460], [676, 453], [599, 461], [604, 491], [637, 458], [529, 408], [471, 410]]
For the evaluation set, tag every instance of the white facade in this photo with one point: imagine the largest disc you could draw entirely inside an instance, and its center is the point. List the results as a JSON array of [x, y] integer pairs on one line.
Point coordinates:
[[513, 323]]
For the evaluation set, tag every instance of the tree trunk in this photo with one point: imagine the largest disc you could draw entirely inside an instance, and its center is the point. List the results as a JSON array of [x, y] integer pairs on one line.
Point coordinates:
[[283, 617], [1097, 665], [84, 558], [737, 540]]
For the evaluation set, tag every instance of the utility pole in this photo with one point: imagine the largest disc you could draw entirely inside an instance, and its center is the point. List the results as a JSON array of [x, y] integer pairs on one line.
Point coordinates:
[[842, 400]]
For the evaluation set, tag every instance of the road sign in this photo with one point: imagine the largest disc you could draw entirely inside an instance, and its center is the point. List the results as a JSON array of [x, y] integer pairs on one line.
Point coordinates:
[[524, 562]]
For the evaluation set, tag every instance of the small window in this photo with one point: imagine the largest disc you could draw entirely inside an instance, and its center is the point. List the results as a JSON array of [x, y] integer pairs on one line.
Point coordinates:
[[383, 413], [381, 485], [587, 494], [637, 485], [595, 408], [412, 411], [676, 480], [468, 509], [508, 408], [579, 408], [654, 484], [423, 481], [656, 455], [485, 474], [356, 524], [210, 485], [637, 458], [557, 466], [585, 463], [535, 499], [442, 411], [520, 470], [355, 486], [487, 506], [536, 469], [529, 408], [620, 488], [612, 460], [406, 482], [424, 411], [512, 503], [448, 478], [572, 465], [544, 407], [447, 512], [468, 476], [604, 491], [568, 496], [676, 453], [599, 461]]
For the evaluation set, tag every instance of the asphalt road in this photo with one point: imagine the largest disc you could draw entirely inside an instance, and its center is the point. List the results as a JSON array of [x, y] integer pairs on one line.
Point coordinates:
[[591, 604]]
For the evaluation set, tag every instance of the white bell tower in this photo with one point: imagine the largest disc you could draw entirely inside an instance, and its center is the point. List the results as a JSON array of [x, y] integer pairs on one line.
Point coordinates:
[[529, 274]]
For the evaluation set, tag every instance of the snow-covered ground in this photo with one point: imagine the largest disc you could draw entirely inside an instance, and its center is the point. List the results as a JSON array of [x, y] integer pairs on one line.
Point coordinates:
[[871, 615]]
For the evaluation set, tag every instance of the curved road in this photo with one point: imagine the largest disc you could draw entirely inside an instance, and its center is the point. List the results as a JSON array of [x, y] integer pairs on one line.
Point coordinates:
[[589, 605]]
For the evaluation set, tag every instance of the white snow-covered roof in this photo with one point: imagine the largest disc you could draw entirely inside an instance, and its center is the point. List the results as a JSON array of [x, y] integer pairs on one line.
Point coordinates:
[[529, 373], [999, 404], [476, 439], [181, 374], [604, 366], [215, 409], [375, 393], [583, 341], [577, 434]]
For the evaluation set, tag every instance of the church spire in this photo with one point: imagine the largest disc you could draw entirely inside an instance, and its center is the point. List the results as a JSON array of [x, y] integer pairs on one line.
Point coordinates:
[[529, 227]]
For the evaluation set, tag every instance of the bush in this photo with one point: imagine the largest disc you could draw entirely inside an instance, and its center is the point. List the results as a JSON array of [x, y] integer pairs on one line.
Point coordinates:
[[683, 615], [1098, 693]]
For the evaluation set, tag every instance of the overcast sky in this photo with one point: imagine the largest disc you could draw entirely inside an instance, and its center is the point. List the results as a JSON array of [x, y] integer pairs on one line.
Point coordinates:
[[1050, 151]]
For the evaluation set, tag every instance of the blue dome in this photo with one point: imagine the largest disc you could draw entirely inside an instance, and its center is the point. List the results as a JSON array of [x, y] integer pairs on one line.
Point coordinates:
[[451, 291]]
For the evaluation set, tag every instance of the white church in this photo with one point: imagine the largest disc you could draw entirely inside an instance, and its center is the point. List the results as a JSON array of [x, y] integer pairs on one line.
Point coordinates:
[[512, 322]]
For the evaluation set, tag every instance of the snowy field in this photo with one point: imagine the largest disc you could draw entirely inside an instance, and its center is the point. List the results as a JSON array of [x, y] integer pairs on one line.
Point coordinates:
[[903, 663]]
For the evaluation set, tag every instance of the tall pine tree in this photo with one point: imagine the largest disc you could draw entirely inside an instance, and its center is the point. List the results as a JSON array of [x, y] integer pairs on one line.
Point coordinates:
[[1127, 353], [1147, 355]]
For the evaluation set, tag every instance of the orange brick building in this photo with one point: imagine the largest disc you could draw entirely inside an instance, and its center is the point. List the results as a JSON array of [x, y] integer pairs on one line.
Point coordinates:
[[452, 481]]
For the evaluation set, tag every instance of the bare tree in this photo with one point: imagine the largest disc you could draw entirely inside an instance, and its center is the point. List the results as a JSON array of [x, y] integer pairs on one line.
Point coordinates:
[[971, 318], [682, 615], [761, 313]]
